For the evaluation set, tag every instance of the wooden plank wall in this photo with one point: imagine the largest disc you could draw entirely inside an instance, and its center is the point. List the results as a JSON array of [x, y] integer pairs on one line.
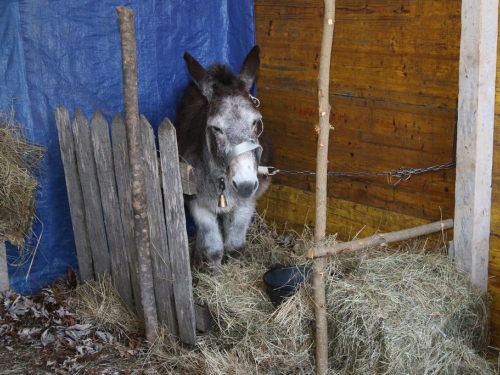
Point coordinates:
[[394, 91], [494, 258]]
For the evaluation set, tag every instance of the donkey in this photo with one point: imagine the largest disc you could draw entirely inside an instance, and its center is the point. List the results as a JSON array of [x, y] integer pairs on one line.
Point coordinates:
[[221, 134]]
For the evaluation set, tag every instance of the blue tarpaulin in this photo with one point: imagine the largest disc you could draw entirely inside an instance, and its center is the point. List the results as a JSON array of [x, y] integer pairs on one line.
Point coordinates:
[[68, 52]]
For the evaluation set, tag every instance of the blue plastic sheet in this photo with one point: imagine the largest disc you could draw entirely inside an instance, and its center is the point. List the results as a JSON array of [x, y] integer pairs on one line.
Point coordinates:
[[68, 52]]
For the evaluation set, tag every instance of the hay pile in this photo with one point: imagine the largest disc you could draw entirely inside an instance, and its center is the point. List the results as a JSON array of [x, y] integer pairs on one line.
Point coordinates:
[[18, 162], [390, 311], [249, 335], [397, 311], [402, 313]]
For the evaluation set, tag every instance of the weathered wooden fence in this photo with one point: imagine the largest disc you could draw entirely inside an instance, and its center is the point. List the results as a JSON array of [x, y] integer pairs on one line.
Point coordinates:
[[98, 182], [4, 275]]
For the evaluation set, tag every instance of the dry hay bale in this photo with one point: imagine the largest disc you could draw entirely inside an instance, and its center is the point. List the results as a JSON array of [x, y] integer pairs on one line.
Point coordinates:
[[18, 162], [405, 314], [251, 337], [389, 312]]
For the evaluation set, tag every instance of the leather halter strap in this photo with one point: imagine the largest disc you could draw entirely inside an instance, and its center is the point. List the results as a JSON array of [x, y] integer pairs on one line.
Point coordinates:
[[242, 148]]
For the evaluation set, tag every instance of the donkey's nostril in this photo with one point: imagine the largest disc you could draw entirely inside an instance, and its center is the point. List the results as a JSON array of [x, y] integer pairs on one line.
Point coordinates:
[[256, 185], [245, 189]]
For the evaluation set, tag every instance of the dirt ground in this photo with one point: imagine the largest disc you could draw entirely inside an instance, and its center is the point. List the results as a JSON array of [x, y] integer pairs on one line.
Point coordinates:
[[45, 334]]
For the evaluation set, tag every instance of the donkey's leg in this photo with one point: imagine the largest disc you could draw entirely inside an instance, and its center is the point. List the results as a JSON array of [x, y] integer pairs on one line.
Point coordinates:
[[236, 224], [208, 237]]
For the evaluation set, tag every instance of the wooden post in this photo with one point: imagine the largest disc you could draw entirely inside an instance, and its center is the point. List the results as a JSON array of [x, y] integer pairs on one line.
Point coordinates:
[[139, 199], [318, 277], [380, 239], [4, 271], [476, 101], [123, 178]]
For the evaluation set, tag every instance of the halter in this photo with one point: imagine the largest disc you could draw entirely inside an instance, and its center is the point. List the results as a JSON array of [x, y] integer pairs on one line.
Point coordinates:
[[241, 149], [238, 150]]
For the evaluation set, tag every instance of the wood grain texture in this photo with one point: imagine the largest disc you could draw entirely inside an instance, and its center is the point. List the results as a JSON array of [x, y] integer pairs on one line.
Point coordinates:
[[393, 92], [135, 153], [176, 232], [4, 270], [75, 195], [124, 187], [294, 208], [380, 239], [474, 138], [111, 207], [494, 255], [160, 253], [91, 195], [395, 61]]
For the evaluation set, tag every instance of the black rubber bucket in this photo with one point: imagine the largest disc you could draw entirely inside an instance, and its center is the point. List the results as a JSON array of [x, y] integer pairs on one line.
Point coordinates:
[[282, 282]]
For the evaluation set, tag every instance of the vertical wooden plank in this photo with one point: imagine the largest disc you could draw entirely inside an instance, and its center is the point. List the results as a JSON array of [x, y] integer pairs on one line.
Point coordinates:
[[91, 195], [476, 100], [124, 185], [4, 270], [101, 145], [162, 268], [176, 230], [75, 197]]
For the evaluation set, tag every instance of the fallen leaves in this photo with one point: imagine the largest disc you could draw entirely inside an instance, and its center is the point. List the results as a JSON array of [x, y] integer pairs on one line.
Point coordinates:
[[48, 323]]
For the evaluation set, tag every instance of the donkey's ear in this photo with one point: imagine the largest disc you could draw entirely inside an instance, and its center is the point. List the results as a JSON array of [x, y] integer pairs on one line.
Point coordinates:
[[250, 67], [199, 75]]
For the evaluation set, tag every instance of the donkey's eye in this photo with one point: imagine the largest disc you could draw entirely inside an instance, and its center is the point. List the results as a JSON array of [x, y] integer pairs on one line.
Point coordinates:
[[217, 130]]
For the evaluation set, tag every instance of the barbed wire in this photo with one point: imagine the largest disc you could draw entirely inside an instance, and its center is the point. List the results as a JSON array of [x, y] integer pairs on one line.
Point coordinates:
[[402, 174]]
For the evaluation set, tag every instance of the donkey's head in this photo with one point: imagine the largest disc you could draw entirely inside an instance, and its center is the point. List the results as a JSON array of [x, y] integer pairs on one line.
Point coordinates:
[[233, 120]]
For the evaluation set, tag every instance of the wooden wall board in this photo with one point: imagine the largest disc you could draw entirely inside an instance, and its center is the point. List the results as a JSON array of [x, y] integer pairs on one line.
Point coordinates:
[[4, 269], [394, 92], [494, 256], [405, 56], [494, 286], [475, 130], [398, 135], [411, 197], [294, 208], [103, 156], [75, 195], [394, 89], [160, 252]]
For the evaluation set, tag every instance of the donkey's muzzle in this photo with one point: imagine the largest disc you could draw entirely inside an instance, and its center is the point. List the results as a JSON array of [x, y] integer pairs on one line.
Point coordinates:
[[241, 149], [246, 189]]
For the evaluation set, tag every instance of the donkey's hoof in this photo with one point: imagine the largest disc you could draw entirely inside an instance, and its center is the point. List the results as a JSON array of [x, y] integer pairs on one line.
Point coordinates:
[[233, 255]]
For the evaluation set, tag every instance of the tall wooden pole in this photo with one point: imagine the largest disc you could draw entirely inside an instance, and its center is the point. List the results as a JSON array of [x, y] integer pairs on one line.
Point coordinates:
[[139, 197], [318, 278], [476, 111]]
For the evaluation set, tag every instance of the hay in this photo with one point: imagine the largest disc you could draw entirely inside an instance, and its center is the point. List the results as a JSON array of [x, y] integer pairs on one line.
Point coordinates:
[[390, 311], [99, 304], [18, 163], [250, 334], [399, 313]]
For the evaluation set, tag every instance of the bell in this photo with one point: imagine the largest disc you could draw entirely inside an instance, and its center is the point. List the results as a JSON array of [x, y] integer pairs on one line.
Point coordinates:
[[222, 200]]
